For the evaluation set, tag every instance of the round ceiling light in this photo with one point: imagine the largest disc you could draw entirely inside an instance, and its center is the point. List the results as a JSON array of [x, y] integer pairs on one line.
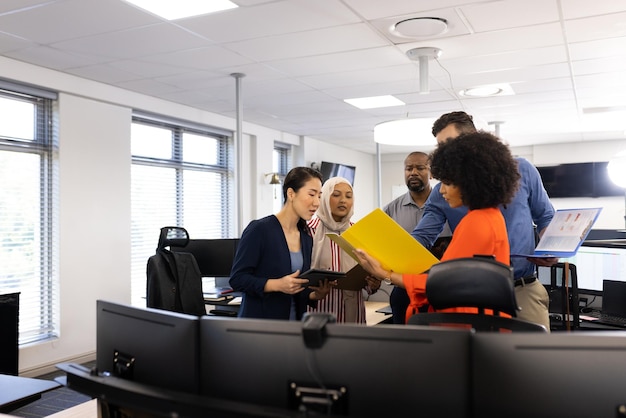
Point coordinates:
[[484, 91], [420, 27], [406, 132]]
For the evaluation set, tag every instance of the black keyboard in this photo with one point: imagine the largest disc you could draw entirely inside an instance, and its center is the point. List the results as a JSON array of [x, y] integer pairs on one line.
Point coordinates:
[[612, 320], [606, 319], [223, 312], [603, 318]]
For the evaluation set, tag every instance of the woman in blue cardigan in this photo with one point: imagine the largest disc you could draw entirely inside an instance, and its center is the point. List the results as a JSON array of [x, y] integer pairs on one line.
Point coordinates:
[[274, 250]]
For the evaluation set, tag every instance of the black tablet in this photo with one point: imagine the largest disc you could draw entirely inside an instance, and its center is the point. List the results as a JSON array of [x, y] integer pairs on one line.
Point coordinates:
[[315, 275]]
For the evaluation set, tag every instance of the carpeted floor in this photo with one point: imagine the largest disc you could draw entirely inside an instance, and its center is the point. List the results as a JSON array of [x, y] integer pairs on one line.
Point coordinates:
[[53, 401]]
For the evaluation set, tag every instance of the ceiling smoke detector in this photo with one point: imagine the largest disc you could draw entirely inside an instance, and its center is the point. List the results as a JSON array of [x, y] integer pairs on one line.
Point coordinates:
[[420, 27]]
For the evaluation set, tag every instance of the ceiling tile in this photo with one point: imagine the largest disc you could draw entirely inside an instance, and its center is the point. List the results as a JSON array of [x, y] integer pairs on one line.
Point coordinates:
[[134, 43], [308, 43], [276, 18], [497, 15], [78, 18], [597, 27]]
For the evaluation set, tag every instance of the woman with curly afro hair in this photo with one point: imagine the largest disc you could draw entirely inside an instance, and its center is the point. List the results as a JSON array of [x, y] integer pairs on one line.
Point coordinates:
[[479, 167], [478, 171]]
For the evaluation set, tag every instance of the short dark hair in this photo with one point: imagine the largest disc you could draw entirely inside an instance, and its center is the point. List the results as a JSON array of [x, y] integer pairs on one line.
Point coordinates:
[[481, 166], [463, 122], [420, 153]]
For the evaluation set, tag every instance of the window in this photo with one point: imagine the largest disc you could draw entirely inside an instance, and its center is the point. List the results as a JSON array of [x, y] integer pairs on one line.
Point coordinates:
[[28, 205], [281, 165], [181, 175]]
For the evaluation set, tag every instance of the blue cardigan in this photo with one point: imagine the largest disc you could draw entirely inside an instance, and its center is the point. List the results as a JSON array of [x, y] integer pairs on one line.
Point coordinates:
[[262, 253]]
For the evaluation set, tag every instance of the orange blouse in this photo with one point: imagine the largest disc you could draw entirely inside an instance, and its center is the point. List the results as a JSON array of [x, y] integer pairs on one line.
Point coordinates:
[[480, 232]]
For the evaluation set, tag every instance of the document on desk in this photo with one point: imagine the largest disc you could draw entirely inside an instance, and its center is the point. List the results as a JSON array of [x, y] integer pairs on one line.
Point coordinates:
[[381, 237], [565, 233]]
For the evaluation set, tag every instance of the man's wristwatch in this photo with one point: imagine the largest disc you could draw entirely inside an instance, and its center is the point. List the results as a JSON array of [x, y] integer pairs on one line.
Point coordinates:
[[387, 278]]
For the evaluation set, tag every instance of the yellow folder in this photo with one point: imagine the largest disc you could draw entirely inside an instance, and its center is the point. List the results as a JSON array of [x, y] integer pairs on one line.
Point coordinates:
[[381, 237]]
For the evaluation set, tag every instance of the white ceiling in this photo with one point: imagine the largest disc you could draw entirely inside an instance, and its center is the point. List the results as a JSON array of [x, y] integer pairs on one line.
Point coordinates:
[[564, 59]]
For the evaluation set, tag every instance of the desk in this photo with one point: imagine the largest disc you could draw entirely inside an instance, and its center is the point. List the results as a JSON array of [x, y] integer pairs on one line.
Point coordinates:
[[372, 314], [88, 409], [229, 307], [18, 391]]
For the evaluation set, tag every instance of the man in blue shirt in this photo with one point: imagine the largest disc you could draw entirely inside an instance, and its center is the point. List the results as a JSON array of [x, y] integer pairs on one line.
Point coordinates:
[[530, 206]]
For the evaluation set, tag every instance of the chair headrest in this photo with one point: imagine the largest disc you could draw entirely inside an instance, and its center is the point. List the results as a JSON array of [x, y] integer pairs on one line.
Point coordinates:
[[173, 236], [472, 282]]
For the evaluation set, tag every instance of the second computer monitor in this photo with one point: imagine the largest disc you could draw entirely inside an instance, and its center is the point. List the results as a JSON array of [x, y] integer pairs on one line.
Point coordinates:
[[549, 375], [362, 371], [214, 256]]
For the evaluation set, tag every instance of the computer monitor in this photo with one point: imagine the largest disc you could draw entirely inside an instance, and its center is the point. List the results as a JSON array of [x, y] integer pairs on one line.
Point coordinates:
[[149, 346], [329, 170], [372, 371], [214, 256], [549, 375], [593, 265]]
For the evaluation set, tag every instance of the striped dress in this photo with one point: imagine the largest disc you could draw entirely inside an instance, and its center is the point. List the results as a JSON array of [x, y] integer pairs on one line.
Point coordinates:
[[337, 300]]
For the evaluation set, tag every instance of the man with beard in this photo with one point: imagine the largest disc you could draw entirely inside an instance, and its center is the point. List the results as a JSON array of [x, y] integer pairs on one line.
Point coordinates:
[[407, 211]]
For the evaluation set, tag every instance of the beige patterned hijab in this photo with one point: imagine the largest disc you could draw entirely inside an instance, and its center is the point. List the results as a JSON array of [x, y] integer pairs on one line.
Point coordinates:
[[322, 256]]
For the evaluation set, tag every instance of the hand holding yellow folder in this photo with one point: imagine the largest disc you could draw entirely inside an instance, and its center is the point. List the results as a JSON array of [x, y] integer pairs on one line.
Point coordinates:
[[381, 237]]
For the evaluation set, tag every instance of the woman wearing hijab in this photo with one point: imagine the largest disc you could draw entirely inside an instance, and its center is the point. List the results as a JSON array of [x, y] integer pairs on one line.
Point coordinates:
[[333, 216]]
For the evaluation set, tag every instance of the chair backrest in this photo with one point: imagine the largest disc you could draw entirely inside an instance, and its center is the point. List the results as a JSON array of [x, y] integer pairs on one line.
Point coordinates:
[[174, 281], [173, 236], [473, 282], [477, 282]]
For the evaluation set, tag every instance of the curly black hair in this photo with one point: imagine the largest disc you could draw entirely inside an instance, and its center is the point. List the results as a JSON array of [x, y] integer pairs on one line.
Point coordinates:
[[480, 165], [463, 122]]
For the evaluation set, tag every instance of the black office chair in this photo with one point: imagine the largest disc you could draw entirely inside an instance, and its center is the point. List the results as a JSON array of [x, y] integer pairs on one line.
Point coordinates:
[[473, 282], [174, 281]]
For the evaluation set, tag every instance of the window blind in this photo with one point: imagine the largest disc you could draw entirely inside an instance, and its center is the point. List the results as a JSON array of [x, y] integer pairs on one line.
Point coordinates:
[[28, 204], [181, 175]]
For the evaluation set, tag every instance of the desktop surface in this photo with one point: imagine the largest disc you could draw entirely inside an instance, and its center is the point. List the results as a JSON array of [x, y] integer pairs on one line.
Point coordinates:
[[17, 391]]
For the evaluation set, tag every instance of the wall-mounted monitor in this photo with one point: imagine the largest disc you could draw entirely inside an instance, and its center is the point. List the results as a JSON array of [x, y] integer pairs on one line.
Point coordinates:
[[329, 170], [578, 180]]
